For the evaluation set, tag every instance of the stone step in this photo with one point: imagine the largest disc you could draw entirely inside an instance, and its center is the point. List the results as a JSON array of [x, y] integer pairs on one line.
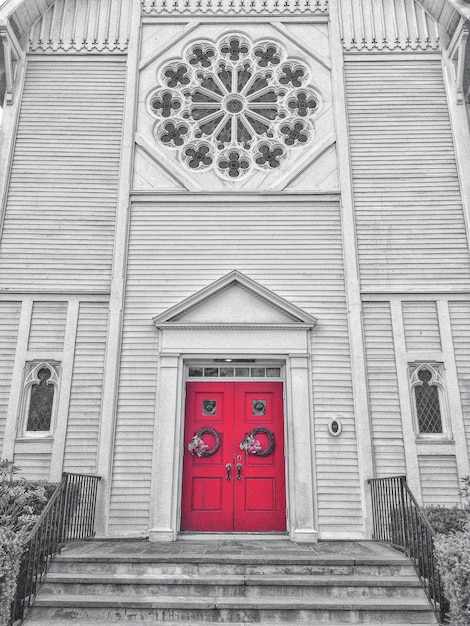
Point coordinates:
[[73, 622], [235, 564], [273, 610], [230, 586]]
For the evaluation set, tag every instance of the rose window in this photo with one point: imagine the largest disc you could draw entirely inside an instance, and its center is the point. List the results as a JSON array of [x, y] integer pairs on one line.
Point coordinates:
[[234, 106]]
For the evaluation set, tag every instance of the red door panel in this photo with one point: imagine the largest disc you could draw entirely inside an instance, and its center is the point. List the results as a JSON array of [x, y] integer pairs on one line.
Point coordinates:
[[207, 497], [261, 503], [253, 498]]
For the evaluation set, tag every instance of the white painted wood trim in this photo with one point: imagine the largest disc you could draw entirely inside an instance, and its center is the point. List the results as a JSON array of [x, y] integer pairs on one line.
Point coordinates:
[[315, 54], [461, 133], [192, 25], [112, 359], [453, 391], [301, 164], [8, 129], [68, 359], [351, 271], [17, 379], [176, 172], [409, 434]]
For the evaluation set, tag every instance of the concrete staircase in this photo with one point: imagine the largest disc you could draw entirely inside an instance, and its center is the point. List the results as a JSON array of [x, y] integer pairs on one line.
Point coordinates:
[[232, 583]]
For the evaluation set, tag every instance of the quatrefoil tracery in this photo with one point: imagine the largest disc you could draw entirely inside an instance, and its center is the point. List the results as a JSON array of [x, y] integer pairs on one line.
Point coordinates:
[[234, 106]]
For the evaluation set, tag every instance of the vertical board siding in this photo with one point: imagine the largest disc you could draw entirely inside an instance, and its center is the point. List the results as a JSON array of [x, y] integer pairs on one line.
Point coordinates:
[[439, 480], [47, 328], [87, 386], [421, 323], [386, 25], [59, 222], [9, 322], [460, 320], [410, 223], [384, 400], [176, 250], [83, 25]]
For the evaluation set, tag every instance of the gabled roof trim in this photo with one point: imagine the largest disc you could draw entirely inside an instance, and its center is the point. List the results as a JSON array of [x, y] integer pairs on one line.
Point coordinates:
[[299, 317]]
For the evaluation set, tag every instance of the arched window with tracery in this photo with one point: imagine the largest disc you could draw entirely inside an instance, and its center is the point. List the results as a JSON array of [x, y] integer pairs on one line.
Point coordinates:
[[428, 393], [40, 397]]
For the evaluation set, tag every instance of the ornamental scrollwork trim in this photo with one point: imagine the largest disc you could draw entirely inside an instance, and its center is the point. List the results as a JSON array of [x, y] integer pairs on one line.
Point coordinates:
[[234, 106]]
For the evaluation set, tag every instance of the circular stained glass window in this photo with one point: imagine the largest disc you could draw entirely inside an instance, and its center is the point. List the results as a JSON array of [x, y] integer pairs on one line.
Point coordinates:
[[234, 106]]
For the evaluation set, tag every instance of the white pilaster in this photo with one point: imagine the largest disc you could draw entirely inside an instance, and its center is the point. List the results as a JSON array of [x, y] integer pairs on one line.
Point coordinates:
[[112, 362], [351, 271]]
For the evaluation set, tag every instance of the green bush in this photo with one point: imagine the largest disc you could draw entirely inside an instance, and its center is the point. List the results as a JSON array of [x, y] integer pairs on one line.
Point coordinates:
[[453, 557], [446, 520], [11, 550]]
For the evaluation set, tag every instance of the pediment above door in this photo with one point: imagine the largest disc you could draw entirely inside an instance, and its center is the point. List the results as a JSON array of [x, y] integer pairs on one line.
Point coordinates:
[[235, 301]]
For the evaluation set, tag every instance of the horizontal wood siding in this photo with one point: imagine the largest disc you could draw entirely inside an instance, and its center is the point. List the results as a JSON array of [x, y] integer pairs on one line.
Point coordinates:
[[460, 320], [59, 222], [421, 324], [384, 400], [9, 321], [34, 461], [439, 480], [174, 251], [87, 386], [47, 328], [410, 224]]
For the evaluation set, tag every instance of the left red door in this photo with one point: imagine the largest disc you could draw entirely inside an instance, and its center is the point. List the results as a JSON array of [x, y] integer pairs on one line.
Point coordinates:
[[225, 488]]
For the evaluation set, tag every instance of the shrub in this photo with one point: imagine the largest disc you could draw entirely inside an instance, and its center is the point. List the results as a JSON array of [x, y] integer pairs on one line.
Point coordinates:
[[11, 550], [453, 556], [446, 520]]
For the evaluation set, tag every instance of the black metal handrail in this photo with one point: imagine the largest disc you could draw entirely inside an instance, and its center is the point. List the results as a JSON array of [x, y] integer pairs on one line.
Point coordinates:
[[69, 515], [399, 520]]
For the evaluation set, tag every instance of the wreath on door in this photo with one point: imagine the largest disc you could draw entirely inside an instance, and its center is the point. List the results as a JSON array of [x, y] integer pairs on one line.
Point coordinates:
[[198, 447], [251, 445]]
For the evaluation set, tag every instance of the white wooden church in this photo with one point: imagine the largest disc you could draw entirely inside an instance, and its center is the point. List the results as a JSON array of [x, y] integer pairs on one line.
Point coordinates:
[[234, 257]]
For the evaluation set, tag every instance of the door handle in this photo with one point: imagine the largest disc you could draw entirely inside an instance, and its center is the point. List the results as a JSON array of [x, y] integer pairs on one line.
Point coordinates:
[[239, 471], [228, 467]]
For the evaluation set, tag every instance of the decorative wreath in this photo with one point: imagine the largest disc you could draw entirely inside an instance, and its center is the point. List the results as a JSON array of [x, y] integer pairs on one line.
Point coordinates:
[[253, 446], [198, 447]]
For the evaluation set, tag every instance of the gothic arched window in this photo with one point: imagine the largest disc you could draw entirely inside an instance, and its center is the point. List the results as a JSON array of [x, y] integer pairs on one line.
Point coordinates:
[[428, 393], [40, 397]]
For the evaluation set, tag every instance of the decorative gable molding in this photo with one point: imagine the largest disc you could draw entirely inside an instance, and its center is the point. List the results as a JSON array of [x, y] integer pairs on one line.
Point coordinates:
[[235, 301], [235, 7]]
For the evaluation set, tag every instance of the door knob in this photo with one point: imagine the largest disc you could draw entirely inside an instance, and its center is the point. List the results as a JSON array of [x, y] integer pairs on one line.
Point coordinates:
[[228, 467], [239, 471]]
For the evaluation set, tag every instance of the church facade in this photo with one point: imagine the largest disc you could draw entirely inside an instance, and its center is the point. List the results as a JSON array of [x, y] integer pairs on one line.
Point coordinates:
[[234, 257]]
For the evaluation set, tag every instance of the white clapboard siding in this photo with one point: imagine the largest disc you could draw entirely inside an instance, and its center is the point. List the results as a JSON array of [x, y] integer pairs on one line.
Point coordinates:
[[460, 320], [293, 249], [410, 224], [421, 323], [87, 386], [384, 401], [439, 480], [47, 328], [34, 460], [59, 222], [9, 321]]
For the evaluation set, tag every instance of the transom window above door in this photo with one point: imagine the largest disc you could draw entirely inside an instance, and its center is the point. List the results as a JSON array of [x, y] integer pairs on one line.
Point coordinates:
[[234, 370]]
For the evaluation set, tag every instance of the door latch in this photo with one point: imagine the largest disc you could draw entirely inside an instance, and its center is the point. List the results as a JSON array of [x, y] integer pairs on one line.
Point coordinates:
[[228, 467], [239, 471]]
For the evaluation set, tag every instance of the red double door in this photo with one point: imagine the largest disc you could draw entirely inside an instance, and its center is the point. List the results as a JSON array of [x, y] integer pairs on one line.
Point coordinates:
[[227, 488]]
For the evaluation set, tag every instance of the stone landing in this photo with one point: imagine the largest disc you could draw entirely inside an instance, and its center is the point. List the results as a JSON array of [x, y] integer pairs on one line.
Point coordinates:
[[214, 581]]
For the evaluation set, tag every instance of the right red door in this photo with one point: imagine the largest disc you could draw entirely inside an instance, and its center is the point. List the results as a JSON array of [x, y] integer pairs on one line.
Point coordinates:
[[234, 467]]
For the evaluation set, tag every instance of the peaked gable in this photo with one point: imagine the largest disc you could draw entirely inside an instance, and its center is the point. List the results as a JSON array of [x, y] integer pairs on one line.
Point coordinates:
[[235, 299]]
